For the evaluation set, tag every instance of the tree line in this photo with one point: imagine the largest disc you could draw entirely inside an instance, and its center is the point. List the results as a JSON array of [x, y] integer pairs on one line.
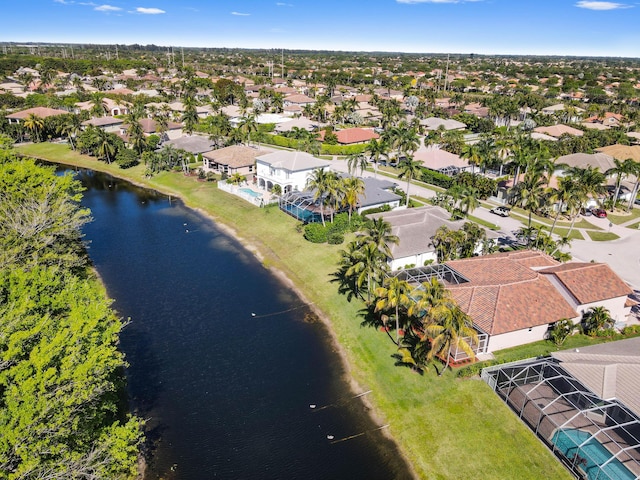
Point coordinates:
[[61, 373]]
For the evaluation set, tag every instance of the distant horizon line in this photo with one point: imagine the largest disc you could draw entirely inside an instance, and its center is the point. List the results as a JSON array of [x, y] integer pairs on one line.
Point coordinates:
[[313, 50]]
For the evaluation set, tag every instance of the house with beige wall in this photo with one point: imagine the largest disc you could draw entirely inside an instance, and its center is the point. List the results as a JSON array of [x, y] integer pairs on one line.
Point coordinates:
[[516, 297]]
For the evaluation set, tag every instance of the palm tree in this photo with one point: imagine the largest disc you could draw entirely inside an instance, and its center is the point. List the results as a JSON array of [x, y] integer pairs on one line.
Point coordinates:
[[561, 196], [319, 181], [35, 125], [355, 162], [361, 266], [70, 127], [409, 168], [379, 234], [335, 192], [472, 154], [595, 319], [529, 194], [353, 189], [376, 149], [135, 132], [190, 114], [99, 106], [394, 294], [469, 200], [106, 148], [247, 126], [430, 300], [621, 170], [451, 330], [634, 169]]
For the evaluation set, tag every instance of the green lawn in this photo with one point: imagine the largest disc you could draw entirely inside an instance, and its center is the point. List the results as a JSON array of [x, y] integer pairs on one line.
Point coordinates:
[[545, 347], [602, 236], [634, 226], [548, 221], [447, 428], [619, 216], [489, 225]]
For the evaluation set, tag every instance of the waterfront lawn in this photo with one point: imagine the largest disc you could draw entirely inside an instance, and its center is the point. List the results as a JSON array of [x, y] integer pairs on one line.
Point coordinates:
[[447, 427]]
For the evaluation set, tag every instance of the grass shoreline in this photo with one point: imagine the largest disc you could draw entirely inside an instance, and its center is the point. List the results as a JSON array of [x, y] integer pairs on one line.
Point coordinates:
[[444, 427]]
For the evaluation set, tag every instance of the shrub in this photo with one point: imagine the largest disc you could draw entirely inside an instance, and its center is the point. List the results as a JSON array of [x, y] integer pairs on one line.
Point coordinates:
[[384, 208], [561, 330], [335, 238], [631, 330], [315, 233], [127, 158], [436, 178], [342, 149]]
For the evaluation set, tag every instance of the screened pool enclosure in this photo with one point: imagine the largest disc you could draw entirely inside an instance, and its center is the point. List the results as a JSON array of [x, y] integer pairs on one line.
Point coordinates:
[[597, 439]]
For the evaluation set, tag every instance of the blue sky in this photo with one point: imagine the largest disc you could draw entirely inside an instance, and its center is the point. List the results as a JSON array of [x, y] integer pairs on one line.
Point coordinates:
[[558, 27]]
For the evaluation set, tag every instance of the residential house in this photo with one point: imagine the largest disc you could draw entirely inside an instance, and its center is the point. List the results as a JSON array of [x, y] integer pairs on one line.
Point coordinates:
[[42, 112], [434, 123], [108, 124], [516, 297], [378, 192], [298, 99], [415, 228], [289, 170], [194, 144], [231, 160], [351, 136], [434, 158], [557, 131]]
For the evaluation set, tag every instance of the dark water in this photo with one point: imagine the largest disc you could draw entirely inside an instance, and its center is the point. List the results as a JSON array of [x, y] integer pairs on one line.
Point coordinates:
[[226, 394]]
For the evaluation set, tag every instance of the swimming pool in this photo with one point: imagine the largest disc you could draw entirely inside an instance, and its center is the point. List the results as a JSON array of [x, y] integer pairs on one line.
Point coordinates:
[[248, 191], [593, 453]]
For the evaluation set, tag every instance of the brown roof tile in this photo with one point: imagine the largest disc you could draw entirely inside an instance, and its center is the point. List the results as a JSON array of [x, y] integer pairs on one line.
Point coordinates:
[[589, 282], [504, 294]]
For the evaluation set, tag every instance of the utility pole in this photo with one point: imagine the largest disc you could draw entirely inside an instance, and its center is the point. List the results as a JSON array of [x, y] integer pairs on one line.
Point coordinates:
[[182, 50], [282, 65]]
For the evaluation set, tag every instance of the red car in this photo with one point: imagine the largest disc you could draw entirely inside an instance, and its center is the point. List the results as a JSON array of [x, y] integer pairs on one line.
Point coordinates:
[[599, 212]]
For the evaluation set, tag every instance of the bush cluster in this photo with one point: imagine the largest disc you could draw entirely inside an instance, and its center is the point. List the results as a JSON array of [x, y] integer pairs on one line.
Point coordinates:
[[334, 232], [436, 178]]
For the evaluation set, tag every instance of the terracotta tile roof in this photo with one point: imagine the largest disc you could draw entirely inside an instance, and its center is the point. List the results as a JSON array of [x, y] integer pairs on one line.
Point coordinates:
[[149, 125], [42, 112], [589, 282], [559, 130], [504, 294], [355, 135]]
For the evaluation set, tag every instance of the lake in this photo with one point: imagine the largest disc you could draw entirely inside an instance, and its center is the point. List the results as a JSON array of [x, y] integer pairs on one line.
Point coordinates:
[[225, 361]]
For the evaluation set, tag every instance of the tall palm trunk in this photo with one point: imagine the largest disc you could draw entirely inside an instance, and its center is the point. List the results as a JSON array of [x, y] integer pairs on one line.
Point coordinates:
[[446, 365], [634, 194]]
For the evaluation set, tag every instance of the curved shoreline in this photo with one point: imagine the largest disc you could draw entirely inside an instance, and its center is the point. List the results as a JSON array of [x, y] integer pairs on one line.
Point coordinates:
[[254, 248]]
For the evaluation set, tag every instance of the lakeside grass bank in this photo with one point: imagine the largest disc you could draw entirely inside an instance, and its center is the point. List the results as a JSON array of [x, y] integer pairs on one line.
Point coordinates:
[[446, 427]]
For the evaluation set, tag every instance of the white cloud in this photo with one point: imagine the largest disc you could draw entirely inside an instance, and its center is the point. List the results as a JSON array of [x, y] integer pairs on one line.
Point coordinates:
[[281, 4], [149, 11], [240, 14], [107, 8], [601, 5]]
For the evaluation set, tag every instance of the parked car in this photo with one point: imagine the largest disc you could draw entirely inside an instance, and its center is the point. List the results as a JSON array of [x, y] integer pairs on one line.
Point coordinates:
[[599, 212], [502, 211]]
